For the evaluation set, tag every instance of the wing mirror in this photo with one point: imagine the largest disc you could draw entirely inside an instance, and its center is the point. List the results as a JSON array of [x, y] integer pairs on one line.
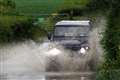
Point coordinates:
[[49, 36]]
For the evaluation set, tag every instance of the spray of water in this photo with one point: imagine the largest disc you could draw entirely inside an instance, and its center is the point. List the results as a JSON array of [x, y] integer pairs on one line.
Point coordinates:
[[20, 60], [24, 61], [87, 62]]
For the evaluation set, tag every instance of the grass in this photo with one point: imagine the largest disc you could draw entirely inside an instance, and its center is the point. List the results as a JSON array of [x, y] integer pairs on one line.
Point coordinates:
[[75, 3], [37, 6]]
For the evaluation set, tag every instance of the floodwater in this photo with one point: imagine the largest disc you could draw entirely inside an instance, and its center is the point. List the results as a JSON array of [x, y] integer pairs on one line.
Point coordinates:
[[27, 60]]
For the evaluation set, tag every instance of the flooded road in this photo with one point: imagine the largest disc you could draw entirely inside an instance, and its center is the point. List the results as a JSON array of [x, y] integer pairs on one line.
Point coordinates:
[[27, 60]]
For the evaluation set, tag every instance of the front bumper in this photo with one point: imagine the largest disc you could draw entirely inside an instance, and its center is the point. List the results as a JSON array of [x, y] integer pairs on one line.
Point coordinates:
[[72, 47]]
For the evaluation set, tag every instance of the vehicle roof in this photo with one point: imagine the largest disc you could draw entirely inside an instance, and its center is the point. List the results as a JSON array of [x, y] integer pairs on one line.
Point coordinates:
[[77, 22]]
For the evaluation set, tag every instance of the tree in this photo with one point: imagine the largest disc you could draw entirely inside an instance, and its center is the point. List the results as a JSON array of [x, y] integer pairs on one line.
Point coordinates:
[[6, 6], [111, 44]]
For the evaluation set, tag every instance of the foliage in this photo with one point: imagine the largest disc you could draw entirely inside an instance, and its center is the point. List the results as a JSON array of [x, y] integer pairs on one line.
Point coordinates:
[[99, 5], [6, 6], [72, 8], [48, 24], [18, 28], [111, 44], [73, 4]]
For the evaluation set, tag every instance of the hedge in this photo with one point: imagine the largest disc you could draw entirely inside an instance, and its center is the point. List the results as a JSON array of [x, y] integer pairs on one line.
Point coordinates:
[[16, 28], [7, 6], [110, 69]]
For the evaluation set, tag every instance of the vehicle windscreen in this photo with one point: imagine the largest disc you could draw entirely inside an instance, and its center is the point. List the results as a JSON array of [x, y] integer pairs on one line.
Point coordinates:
[[74, 30]]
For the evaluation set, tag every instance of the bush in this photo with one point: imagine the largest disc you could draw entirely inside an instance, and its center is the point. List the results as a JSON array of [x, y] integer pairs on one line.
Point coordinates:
[[111, 44], [16, 28], [7, 6]]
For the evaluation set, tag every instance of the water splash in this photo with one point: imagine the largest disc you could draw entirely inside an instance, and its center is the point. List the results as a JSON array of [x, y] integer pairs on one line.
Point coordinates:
[[22, 61]]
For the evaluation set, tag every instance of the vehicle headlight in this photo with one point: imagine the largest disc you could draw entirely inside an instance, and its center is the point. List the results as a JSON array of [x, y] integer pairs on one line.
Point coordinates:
[[82, 51], [86, 48], [51, 46], [54, 52]]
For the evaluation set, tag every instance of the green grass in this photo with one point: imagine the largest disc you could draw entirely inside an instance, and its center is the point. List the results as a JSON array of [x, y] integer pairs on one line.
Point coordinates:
[[75, 3], [37, 6], [47, 6]]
